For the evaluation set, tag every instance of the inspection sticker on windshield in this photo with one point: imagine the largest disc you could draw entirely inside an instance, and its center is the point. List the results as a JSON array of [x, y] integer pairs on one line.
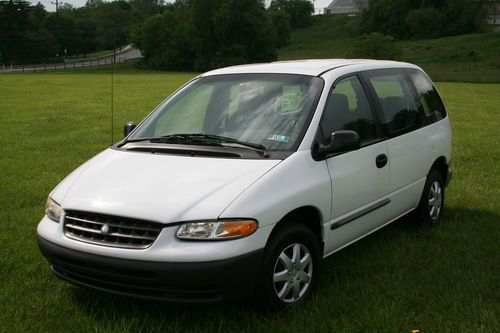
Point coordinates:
[[279, 138]]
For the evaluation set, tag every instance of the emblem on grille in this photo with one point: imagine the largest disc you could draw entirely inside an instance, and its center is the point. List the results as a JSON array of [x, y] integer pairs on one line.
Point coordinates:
[[105, 229]]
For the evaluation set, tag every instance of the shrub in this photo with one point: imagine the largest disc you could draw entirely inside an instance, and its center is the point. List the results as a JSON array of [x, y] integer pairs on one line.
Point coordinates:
[[375, 46]]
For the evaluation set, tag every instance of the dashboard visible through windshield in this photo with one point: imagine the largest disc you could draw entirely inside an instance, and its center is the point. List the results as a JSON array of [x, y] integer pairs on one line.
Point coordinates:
[[268, 110]]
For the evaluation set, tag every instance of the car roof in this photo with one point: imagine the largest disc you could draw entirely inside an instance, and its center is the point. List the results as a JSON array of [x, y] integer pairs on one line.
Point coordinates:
[[312, 67]]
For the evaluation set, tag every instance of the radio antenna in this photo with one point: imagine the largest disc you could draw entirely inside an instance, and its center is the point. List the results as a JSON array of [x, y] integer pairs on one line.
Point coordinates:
[[112, 93]]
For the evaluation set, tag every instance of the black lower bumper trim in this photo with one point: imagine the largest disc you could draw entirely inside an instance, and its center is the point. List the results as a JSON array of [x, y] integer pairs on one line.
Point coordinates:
[[202, 282]]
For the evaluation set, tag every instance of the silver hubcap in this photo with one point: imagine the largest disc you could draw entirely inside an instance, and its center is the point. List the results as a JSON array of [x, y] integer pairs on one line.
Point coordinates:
[[435, 200], [292, 273]]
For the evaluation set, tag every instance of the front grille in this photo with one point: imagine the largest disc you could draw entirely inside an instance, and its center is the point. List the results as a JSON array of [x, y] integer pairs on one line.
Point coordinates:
[[110, 230]]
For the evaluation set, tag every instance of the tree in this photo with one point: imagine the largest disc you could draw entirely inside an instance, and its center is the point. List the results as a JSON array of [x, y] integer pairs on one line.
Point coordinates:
[[463, 16], [88, 36], [201, 34], [282, 27], [422, 18], [164, 40], [243, 33], [114, 23], [14, 23], [228, 32], [300, 11], [65, 32], [426, 22], [388, 17], [142, 9], [30, 33]]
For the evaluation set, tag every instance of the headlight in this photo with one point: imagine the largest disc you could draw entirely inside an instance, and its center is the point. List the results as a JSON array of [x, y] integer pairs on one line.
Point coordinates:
[[217, 230], [53, 210]]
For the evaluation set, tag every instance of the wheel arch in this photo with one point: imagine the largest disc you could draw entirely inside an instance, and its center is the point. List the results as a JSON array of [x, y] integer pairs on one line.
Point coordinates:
[[309, 216], [441, 165]]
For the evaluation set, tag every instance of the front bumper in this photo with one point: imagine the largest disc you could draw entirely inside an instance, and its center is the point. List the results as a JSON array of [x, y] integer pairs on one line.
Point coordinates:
[[193, 282]]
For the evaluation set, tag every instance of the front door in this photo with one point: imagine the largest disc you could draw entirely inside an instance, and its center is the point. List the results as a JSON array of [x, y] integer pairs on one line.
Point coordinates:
[[360, 179]]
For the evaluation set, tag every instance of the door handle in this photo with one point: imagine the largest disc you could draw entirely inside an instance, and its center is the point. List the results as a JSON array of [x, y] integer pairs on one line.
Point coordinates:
[[381, 160]]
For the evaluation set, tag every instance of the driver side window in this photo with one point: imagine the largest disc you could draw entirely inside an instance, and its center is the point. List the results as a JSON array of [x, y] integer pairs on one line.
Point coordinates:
[[347, 108]]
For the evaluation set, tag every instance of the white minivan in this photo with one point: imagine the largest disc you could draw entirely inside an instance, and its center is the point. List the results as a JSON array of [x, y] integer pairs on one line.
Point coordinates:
[[242, 181]]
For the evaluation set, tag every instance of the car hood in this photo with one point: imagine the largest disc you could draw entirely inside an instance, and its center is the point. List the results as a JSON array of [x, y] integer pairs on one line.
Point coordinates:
[[158, 187]]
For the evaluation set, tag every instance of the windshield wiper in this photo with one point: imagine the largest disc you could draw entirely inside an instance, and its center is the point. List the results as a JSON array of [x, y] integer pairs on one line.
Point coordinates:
[[201, 138], [208, 138]]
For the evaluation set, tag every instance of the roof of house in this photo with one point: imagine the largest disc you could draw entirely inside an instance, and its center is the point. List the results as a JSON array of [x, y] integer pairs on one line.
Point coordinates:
[[343, 7]]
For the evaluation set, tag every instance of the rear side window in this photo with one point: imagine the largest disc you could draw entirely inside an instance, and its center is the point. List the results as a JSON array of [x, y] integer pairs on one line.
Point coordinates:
[[347, 108], [399, 107], [430, 103]]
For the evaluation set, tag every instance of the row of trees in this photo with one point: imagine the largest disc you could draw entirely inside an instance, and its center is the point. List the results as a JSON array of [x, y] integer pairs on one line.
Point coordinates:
[[200, 34], [422, 18], [203, 34], [30, 33], [190, 34]]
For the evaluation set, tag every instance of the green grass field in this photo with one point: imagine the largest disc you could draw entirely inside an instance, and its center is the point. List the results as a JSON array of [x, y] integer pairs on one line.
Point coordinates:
[[443, 279], [466, 58]]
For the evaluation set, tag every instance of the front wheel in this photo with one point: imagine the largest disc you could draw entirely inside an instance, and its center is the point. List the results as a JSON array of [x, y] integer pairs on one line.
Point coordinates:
[[430, 209], [291, 267]]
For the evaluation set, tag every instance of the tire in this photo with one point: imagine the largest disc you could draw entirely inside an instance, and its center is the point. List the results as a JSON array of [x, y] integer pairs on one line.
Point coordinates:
[[285, 281], [431, 206]]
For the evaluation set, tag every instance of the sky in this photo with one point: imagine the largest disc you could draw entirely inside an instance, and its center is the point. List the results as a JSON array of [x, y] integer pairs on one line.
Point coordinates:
[[319, 4]]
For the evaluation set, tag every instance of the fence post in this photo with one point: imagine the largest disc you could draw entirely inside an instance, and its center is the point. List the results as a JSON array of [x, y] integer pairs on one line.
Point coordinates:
[[45, 67], [11, 67]]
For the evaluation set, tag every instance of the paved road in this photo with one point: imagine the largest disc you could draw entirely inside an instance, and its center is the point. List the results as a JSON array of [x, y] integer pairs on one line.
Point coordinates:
[[128, 53]]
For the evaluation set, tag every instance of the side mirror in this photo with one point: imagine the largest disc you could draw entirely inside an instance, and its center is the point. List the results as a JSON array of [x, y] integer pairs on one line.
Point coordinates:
[[341, 142], [128, 128]]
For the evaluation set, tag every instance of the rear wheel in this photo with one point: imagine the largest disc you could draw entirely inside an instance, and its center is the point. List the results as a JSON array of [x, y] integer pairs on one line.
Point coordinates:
[[430, 209], [291, 267]]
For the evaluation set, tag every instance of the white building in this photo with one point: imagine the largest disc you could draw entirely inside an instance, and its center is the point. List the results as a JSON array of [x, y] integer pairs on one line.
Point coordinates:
[[345, 7], [492, 11]]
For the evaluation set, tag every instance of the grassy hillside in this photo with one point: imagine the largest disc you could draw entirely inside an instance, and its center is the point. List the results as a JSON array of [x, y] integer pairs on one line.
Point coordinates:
[[468, 58], [443, 279]]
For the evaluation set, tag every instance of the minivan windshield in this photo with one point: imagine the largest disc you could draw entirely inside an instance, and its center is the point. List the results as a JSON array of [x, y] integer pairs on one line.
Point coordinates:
[[270, 110]]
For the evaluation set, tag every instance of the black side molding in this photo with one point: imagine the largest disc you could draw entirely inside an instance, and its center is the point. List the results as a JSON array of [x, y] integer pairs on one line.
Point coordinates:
[[361, 213]]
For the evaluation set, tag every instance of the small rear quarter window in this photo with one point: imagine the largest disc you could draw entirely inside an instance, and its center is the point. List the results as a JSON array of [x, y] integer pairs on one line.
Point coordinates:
[[430, 101]]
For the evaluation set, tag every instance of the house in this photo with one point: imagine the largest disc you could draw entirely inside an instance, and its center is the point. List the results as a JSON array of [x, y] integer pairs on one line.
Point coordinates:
[[492, 8], [346, 7], [353, 7]]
